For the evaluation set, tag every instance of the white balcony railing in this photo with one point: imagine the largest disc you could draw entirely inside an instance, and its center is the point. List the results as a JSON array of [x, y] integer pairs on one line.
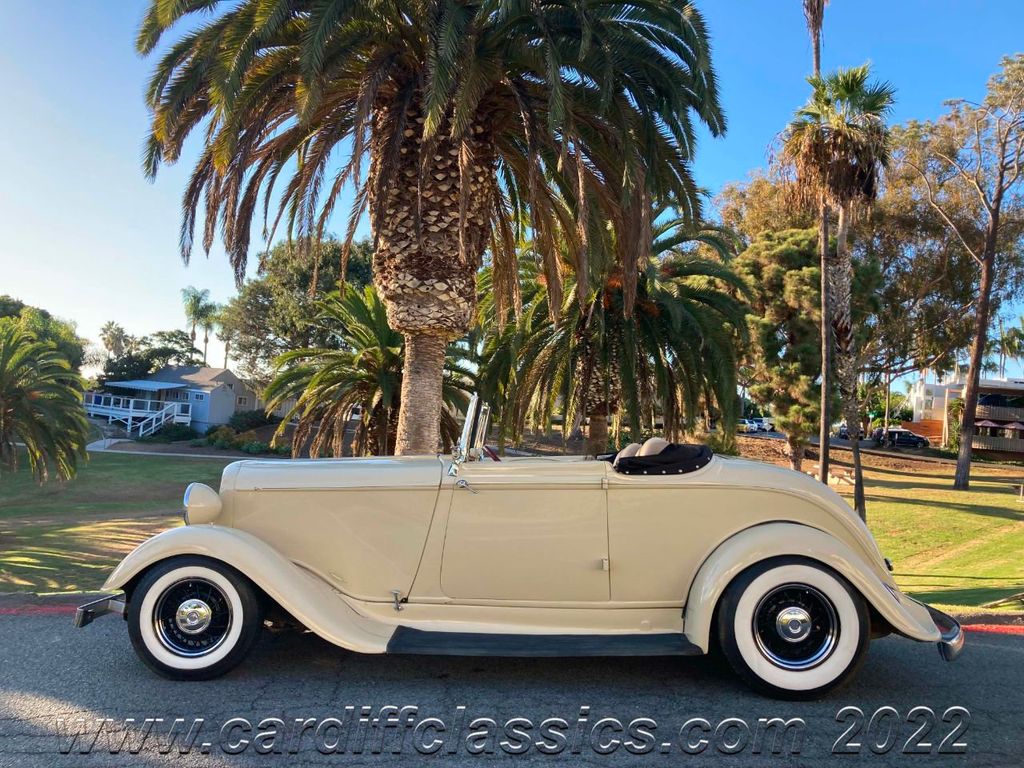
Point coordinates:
[[139, 415]]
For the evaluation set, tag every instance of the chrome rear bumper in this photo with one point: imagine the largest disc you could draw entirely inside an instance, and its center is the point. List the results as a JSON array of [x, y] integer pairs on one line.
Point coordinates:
[[89, 612], [952, 643]]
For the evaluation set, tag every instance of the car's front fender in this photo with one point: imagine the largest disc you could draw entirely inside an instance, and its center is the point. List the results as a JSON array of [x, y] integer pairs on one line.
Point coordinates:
[[309, 599], [768, 540]]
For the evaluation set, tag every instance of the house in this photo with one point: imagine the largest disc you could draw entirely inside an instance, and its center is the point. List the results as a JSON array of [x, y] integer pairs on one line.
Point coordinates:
[[195, 395], [999, 421]]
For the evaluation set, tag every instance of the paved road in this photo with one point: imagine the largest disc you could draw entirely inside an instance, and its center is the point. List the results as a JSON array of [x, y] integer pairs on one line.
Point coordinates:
[[48, 670]]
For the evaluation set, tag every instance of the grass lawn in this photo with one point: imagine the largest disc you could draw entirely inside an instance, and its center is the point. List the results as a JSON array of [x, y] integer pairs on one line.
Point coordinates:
[[949, 548], [67, 537]]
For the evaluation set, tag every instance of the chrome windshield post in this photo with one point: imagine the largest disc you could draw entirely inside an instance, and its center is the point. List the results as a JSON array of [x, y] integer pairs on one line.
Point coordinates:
[[461, 451]]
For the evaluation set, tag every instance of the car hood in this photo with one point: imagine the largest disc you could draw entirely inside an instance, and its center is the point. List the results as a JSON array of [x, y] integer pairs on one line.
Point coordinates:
[[327, 474]]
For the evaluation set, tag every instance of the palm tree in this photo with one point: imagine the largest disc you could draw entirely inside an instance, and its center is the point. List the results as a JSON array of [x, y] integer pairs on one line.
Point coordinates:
[[839, 144], [40, 406], [114, 338], [226, 331], [669, 353], [198, 309], [814, 16], [208, 321], [364, 372], [472, 117]]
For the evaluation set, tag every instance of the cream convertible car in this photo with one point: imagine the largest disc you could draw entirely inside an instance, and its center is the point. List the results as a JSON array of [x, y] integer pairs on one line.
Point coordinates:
[[663, 549]]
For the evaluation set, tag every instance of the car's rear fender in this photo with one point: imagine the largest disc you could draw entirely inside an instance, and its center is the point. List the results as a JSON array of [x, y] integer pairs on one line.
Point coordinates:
[[306, 597], [768, 540]]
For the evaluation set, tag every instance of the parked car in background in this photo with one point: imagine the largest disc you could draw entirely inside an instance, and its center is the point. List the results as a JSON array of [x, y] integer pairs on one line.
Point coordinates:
[[898, 437], [660, 549], [745, 426], [843, 433], [764, 424]]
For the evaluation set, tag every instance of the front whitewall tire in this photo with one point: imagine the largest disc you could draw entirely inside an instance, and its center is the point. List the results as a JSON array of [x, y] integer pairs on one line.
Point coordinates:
[[820, 662], [235, 614]]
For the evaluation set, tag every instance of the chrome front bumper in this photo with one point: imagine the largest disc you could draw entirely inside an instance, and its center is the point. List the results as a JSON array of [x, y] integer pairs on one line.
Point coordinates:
[[89, 612], [952, 643]]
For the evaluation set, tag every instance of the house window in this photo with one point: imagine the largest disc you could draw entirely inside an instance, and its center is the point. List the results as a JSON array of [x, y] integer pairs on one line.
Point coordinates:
[[198, 397], [243, 401]]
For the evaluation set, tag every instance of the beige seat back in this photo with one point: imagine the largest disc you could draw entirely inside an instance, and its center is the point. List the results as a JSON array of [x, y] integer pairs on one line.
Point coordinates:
[[627, 452], [653, 446]]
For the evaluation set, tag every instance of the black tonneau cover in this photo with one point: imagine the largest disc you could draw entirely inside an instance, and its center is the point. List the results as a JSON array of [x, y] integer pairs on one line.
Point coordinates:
[[674, 459]]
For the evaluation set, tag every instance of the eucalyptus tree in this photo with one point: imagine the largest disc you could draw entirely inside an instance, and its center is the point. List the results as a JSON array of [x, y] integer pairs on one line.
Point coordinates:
[[838, 144], [471, 115], [40, 406], [970, 165]]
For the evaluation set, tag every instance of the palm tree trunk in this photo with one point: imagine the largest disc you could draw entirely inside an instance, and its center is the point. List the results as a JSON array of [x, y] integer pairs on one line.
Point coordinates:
[[962, 477], [418, 426], [842, 286], [425, 263], [825, 406], [597, 433], [206, 346], [888, 402], [227, 351]]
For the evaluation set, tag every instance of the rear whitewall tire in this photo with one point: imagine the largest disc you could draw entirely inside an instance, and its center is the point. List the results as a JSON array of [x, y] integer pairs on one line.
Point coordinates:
[[835, 643], [232, 626]]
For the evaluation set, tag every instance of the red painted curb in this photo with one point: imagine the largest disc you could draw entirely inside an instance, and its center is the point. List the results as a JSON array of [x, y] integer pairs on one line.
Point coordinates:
[[38, 610], [996, 629]]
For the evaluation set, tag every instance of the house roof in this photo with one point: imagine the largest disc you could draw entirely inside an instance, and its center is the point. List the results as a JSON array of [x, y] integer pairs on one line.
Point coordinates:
[[144, 385], [190, 375]]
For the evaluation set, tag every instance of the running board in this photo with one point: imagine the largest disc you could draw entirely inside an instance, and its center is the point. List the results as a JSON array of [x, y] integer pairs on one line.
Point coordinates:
[[418, 641]]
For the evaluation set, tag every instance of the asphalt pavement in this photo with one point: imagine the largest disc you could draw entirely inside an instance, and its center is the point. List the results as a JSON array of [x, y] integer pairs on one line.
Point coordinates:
[[56, 681]]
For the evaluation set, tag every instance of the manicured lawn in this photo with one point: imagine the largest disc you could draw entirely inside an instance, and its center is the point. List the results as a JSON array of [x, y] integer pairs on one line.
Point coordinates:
[[66, 537], [949, 547], [109, 485]]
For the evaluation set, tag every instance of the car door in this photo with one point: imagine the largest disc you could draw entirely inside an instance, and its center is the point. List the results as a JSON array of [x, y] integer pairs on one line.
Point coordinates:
[[527, 530]]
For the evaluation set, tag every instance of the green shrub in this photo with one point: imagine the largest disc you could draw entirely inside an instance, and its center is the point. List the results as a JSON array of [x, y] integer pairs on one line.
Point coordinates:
[[255, 446], [243, 421], [171, 433], [222, 437]]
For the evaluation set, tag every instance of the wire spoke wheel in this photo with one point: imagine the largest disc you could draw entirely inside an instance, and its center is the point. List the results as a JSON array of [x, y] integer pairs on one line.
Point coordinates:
[[795, 626], [192, 617]]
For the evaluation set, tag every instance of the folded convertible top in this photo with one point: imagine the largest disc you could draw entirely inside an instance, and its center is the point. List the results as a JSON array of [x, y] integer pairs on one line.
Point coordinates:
[[674, 459]]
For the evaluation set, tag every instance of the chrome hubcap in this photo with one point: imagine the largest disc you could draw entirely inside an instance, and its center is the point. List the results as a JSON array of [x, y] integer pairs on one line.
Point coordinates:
[[793, 624], [193, 616], [796, 627]]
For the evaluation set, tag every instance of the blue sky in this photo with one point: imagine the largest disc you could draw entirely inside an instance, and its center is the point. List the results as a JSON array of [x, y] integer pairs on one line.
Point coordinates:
[[87, 237]]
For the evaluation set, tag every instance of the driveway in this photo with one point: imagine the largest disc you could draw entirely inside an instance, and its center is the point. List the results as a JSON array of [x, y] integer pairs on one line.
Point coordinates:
[[50, 672]]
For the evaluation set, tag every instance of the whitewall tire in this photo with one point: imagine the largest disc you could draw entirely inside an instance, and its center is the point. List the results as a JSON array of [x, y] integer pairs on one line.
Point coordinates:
[[793, 628], [193, 618]]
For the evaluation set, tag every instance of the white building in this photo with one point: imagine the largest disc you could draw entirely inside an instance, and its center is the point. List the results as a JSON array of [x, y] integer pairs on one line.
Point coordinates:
[[1000, 410]]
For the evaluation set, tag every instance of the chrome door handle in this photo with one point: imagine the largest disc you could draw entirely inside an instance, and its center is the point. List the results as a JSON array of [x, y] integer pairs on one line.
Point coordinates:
[[465, 485]]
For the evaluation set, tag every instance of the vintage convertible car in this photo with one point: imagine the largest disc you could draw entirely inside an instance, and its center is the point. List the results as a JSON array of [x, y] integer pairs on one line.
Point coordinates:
[[662, 549]]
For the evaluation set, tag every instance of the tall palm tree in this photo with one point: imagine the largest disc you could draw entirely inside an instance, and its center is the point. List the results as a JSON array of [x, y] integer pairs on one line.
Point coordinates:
[[672, 351], [364, 370], [114, 338], [226, 331], [208, 321], [814, 16], [198, 309], [40, 406], [472, 116], [839, 144]]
